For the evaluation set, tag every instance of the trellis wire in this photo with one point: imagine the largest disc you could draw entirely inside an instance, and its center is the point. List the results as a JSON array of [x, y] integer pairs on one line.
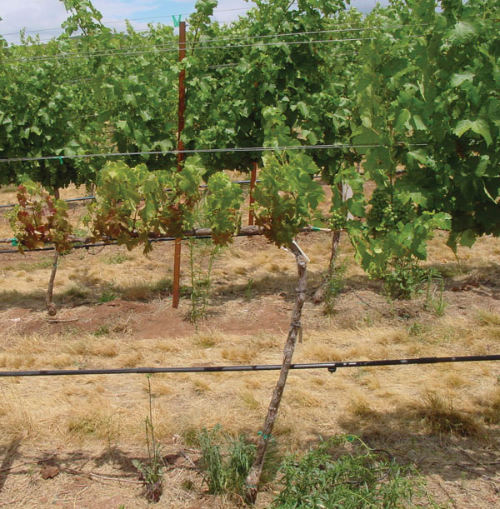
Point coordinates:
[[198, 44], [127, 52], [206, 151], [69, 200], [104, 244], [330, 366]]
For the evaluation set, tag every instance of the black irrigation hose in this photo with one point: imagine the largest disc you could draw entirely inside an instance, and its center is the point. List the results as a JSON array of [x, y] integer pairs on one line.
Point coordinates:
[[69, 200], [104, 244], [98, 244], [331, 366], [114, 243]]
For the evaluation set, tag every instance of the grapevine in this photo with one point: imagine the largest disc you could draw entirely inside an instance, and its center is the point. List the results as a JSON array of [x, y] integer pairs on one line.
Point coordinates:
[[422, 94], [39, 219]]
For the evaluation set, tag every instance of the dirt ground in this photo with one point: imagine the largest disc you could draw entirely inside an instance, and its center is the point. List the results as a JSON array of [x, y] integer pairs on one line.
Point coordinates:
[[70, 441]]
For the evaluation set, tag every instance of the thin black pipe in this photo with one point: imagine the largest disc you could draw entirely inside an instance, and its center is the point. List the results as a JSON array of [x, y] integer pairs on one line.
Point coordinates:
[[103, 244], [330, 366]]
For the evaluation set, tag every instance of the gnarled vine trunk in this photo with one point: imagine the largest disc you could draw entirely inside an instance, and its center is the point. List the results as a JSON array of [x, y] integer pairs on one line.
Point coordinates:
[[320, 292], [253, 478], [51, 307]]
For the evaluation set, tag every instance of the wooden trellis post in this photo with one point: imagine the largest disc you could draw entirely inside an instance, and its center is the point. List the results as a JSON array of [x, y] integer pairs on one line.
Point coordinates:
[[180, 157], [253, 178]]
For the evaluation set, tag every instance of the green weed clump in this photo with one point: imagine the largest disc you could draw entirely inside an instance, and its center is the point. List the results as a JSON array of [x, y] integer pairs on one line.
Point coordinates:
[[405, 280], [344, 472], [335, 283], [151, 471], [201, 277], [225, 461]]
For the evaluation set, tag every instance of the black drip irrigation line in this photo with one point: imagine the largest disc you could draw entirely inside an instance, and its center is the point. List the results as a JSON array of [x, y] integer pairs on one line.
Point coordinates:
[[330, 366], [104, 244], [114, 243]]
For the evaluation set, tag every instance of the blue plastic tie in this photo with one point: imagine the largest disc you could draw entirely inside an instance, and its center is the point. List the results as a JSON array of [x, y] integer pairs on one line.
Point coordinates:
[[265, 437]]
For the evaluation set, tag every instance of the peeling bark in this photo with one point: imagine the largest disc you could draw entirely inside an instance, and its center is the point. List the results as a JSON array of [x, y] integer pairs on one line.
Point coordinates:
[[51, 307], [253, 478]]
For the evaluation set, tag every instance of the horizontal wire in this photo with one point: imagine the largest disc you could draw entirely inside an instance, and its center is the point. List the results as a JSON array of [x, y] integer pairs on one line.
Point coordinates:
[[330, 366], [216, 67], [136, 19], [70, 200], [295, 34], [267, 36], [206, 151], [71, 56], [289, 34], [88, 246]]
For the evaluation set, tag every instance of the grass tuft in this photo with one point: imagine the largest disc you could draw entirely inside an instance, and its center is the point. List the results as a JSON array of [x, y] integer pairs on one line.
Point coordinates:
[[440, 416]]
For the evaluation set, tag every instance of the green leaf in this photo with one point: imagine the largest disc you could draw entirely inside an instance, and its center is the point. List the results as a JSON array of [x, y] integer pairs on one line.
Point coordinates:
[[403, 121], [459, 78], [419, 155], [165, 145], [468, 238], [312, 138], [488, 194], [419, 124], [304, 110], [478, 126], [462, 31]]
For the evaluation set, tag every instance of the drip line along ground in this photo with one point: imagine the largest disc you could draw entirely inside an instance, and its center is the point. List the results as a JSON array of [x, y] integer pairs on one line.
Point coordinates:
[[330, 366]]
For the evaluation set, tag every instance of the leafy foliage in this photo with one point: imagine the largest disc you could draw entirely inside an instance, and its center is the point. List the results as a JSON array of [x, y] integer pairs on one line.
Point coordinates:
[[343, 472], [39, 219], [287, 197], [222, 207], [133, 203], [225, 461], [429, 95]]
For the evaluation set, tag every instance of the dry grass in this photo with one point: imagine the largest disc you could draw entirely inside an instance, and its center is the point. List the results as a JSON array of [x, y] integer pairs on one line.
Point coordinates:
[[253, 295], [439, 414]]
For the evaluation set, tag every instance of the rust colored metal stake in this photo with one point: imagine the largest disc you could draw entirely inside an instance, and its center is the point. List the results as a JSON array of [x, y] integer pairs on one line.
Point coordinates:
[[180, 157], [253, 178]]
